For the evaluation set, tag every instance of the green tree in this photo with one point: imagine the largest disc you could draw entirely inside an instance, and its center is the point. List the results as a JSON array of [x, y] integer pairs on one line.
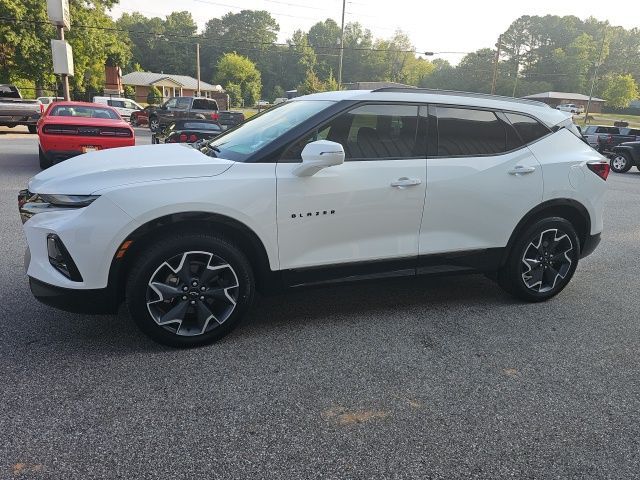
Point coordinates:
[[619, 90], [235, 94], [161, 45], [26, 47], [311, 84], [239, 70]]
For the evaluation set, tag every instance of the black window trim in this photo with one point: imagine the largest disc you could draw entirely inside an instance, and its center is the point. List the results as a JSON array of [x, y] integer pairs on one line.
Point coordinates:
[[500, 114], [353, 106]]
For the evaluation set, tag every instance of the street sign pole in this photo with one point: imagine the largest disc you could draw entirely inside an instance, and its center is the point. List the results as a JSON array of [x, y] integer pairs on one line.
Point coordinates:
[[58, 12], [65, 77]]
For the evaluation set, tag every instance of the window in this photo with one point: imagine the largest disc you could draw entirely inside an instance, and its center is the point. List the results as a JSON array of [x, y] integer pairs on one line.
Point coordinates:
[[82, 111], [470, 133], [213, 105], [260, 130], [183, 103], [200, 104], [171, 103], [115, 103], [528, 128], [610, 130], [200, 126], [371, 132]]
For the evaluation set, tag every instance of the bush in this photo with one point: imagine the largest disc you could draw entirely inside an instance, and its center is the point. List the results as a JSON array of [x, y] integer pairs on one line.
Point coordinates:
[[154, 96]]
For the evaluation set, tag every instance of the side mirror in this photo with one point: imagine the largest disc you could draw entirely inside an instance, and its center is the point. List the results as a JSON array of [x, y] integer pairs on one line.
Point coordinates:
[[318, 155]]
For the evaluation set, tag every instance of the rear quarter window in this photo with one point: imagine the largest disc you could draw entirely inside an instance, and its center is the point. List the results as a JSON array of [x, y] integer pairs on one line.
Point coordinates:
[[528, 128]]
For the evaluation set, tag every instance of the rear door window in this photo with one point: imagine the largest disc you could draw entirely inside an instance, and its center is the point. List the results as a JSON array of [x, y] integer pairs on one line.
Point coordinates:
[[465, 132]]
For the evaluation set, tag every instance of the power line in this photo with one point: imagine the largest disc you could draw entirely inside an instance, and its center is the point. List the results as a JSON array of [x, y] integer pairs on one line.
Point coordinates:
[[196, 38]]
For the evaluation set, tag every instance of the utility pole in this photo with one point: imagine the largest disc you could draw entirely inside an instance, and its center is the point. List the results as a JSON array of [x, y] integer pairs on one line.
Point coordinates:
[[198, 68], [495, 66], [344, 5], [595, 74]]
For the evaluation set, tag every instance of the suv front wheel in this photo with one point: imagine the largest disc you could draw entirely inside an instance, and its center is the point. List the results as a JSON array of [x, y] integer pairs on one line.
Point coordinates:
[[190, 289], [542, 261]]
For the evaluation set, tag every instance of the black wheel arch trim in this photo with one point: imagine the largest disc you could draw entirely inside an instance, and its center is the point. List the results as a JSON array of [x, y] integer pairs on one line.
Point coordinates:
[[553, 207], [266, 279]]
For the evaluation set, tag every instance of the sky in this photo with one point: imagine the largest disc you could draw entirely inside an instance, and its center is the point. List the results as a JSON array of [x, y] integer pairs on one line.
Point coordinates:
[[459, 26]]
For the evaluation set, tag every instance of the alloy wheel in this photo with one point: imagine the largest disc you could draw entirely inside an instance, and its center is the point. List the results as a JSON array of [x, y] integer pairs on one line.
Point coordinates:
[[619, 162], [546, 260], [154, 125], [192, 293]]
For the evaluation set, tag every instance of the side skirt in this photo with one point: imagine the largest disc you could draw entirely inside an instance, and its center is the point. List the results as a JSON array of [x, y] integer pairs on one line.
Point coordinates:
[[473, 261]]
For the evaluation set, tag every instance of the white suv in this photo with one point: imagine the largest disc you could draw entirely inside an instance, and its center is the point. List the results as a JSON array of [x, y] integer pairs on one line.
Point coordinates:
[[329, 187]]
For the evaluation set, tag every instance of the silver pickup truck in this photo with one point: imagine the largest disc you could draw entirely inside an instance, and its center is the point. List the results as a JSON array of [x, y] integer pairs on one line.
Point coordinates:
[[16, 111]]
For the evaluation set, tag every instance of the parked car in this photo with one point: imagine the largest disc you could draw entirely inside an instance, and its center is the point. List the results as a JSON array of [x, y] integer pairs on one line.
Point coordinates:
[[182, 107], [123, 106], [571, 108], [16, 111], [325, 188], [47, 100], [141, 117], [624, 156], [187, 131], [68, 129], [230, 118], [603, 137]]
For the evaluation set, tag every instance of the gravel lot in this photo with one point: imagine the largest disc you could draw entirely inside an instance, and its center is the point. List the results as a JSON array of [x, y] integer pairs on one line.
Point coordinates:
[[430, 378]]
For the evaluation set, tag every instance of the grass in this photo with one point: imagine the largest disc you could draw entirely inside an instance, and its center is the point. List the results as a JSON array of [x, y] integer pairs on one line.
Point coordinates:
[[610, 118]]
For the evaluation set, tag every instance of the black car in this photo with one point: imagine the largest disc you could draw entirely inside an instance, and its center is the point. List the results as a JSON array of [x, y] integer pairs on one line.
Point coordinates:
[[230, 118], [624, 156], [188, 131]]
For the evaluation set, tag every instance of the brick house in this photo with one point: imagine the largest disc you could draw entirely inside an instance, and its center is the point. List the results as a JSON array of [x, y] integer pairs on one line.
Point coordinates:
[[173, 86]]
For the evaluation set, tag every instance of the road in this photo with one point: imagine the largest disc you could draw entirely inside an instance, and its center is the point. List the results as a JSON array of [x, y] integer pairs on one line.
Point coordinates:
[[430, 378]]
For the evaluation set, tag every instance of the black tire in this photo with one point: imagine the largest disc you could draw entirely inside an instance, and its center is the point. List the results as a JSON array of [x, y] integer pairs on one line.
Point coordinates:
[[146, 304], [556, 267], [620, 162], [32, 128], [154, 124], [44, 160], [133, 122]]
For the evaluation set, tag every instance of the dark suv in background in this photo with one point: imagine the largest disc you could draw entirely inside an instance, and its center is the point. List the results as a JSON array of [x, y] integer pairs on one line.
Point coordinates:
[[182, 108]]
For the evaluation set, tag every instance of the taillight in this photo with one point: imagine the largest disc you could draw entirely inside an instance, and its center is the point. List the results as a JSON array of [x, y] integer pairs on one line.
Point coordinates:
[[601, 169], [183, 137], [59, 130], [215, 116], [193, 138], [115, 132]]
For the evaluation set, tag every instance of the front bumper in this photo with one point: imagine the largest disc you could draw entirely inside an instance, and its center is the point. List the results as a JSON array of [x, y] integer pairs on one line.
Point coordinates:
[[95, 301], [590, 244]]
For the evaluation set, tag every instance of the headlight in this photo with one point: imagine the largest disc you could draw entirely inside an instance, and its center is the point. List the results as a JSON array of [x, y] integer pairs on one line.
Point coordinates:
[[31, 204], [68, 200]]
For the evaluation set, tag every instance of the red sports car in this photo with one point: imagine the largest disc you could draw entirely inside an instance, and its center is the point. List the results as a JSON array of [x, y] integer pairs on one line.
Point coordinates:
[[68, 129]]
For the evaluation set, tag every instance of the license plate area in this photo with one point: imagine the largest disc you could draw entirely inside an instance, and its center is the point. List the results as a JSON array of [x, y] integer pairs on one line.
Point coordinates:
[[89, 148]]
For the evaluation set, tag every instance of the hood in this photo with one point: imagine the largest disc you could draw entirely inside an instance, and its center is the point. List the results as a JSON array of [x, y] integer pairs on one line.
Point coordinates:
[[88, 173]]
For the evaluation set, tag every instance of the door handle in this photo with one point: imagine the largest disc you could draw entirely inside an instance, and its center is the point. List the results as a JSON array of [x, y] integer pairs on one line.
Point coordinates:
[[403, 182], [521, 170]]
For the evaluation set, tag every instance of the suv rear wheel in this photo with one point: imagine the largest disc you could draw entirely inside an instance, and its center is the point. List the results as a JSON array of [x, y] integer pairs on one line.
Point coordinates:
[[542, 260], [190, 289]]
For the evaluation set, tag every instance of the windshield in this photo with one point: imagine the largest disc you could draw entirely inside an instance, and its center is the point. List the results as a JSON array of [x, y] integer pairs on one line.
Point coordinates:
[[83, 111], [240, 143]]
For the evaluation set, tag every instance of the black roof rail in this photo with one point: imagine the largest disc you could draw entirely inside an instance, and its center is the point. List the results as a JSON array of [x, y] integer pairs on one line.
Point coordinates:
[[435, 91]]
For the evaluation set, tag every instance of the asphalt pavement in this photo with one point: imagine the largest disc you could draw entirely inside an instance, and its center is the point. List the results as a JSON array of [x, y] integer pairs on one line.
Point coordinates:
[[431, 378]]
